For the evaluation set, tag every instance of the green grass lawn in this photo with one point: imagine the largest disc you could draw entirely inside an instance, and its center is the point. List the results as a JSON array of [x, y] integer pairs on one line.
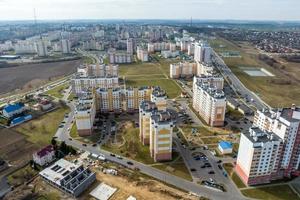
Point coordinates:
[[238, 182], [211, 140], [57, 91], [40, 131], [172, 89], [73, 132], [178, 168], [280, 192], [235, 178], [150, 74], [132, 147]]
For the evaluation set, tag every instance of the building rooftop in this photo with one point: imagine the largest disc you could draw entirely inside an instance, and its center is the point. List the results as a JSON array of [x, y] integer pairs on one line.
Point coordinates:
[[45, 151], [225, 145], [13, 107], [103, 192], [148, 106], [256, 135], [162, 117]]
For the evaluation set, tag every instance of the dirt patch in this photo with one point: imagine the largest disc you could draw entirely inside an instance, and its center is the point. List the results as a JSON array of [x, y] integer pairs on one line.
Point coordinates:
[[32, 75], [143, 189]]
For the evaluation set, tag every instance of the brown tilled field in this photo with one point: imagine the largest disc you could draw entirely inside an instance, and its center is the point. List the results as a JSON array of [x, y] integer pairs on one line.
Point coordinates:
[[33, 75]]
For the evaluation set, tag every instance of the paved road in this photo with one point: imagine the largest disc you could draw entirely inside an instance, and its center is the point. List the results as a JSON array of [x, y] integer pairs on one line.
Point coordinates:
[[63, 135], [236, 84]]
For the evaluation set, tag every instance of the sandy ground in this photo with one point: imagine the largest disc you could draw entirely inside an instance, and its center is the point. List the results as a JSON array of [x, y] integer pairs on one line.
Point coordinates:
[[31, 75]]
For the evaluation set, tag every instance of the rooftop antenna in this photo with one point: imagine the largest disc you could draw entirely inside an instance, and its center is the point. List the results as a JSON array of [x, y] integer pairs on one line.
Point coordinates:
[[35, 23]]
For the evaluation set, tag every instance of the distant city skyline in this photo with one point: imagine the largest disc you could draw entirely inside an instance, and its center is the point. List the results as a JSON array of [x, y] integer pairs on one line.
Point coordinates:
[[154, 9]]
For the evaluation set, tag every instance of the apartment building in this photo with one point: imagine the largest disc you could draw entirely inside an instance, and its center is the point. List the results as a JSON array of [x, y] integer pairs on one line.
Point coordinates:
[[161, 130], [68, 177], [259, 156], [118, 100], [131, 45], [281, 125], [142, 54], [285, 123], [41, 48], [191, 49], [159, 46], [65, 46], [146, 109], [183, 69], [204, 69], [202, 52], [85, 112], [159, 97], [213, 81], [209, 101], [95, 76], [119, 57]]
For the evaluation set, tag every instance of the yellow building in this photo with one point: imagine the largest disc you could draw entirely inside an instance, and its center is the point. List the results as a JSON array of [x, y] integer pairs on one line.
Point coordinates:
[[147, 108], [161, 130]]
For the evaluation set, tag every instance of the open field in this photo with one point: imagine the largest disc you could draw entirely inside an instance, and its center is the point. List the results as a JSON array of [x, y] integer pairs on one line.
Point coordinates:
[[279, 192], [150, 74], [266, 87], [57, 91], [33, 75], [40, 131]]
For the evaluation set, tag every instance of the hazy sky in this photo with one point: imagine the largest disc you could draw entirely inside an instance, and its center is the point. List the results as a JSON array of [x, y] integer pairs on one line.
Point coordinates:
[[151, 9]]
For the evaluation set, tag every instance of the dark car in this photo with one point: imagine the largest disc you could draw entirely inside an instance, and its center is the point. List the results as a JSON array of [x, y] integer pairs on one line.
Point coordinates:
[[113, 155], [211, 172], [129, 163], [94, 145], [219, 161], [70, 139], [193, 170], [220, 167], [84, 145]]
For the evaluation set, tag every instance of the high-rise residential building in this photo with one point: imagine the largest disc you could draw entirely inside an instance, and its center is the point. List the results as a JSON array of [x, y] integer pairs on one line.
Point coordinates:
[[147, 108], [85, 112], [25, 47], [119, 57], [118, 100], [131, 45], [95, 76], [209, 101], [285, 123], [65, 46], [204, 69], [161, 130], [142, 54], [184, 45], [183, 69], [259, 156], [282, 125], [158, 46], [213, 81], [191, 49], [202, 52], [159, 97], [41, 48]]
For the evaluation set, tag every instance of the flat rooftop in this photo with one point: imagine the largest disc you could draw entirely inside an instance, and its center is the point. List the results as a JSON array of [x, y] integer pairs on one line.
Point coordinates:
[[103, 192], [56, 172]]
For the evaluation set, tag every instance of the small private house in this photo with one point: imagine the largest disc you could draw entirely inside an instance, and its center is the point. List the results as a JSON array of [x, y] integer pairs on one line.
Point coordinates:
[[44, 156], [225, 147], [13, 109]]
